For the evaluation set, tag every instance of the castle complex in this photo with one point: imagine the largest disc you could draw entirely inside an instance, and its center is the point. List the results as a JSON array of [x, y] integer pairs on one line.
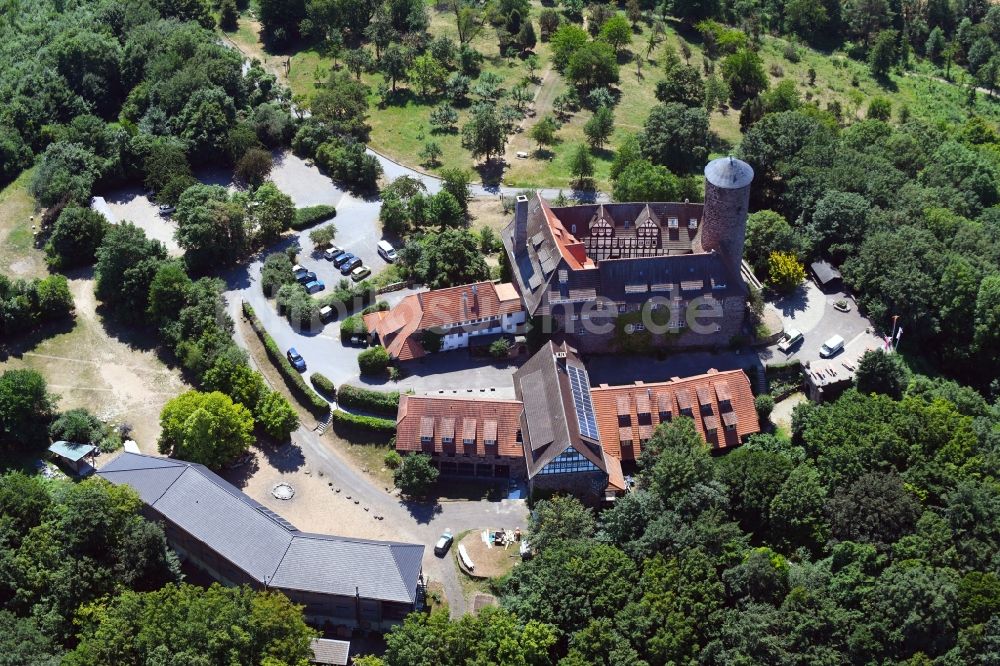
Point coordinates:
[[662, 273]]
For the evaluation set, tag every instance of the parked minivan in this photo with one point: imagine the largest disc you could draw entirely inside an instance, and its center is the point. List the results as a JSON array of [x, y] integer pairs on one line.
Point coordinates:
[[831, 347], [387, 251]]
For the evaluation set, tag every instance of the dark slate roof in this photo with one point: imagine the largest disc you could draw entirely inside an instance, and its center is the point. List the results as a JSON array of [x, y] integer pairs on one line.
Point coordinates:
[[729, 173], [527, 260], [824, 271], [543, 277], [549, 424], [262, 544], [691, 275]]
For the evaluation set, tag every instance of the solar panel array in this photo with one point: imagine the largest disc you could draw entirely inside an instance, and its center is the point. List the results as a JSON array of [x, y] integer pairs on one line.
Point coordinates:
[[582, 402]]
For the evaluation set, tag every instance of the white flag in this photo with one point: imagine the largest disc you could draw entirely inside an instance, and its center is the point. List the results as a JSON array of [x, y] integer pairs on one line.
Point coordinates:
[[899, 334]]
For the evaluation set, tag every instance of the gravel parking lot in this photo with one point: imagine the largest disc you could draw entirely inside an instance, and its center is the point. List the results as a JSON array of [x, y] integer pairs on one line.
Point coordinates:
[[135, 206]]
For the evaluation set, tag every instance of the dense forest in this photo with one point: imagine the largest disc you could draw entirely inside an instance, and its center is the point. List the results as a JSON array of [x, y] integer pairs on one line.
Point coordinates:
[[870, 537]]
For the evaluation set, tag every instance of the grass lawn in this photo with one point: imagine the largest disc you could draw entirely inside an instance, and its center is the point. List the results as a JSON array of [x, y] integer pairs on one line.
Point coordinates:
[[401, 129], [18, 255]]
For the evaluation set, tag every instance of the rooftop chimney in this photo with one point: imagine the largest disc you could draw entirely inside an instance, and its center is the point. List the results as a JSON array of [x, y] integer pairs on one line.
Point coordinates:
[[465, 305], [521, 223]]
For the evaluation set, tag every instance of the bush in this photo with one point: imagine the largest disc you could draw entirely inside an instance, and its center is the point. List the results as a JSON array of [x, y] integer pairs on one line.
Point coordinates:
[[77, 234], [323, 384], [373, 361], [353, 325], [310, 215], [379, 426], [367, 400], [764, 404], [500, 348], [316, 405], [276, 272], [392, 460]]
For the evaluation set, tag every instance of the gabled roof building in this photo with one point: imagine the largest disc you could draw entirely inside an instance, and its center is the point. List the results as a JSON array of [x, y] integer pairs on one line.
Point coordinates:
[[236, 540], [456, 314], [668, 271], [561, 434]]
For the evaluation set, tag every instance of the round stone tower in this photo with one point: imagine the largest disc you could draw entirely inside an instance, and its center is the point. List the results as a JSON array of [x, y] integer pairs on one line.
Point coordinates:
[[727, 198]]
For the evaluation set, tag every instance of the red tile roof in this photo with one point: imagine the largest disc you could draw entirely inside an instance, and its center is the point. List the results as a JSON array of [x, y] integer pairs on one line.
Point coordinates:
[[397, 329], [671, 395], [437, 416]]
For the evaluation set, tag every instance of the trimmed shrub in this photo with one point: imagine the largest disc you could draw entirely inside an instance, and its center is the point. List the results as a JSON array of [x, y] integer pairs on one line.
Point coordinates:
[[323, 384], [373, 361], [293, 380], [383, 427], [353, 325], [310, 215], [367, 400]]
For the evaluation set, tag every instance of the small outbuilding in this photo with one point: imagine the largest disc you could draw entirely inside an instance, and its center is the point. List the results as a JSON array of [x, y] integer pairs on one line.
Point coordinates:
[[329, 651], [74, 456], [828, 277]]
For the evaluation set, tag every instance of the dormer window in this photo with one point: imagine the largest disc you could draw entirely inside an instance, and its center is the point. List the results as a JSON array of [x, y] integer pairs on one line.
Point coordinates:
[[693, 223], [672, 223]]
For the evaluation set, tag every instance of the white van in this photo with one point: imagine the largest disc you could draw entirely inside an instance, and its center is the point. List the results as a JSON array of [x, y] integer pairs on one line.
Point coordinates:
[[831, 346], [387, 251]]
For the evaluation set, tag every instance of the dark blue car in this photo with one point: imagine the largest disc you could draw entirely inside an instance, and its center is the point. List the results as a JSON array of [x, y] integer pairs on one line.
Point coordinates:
[[296, 360], [343, 259]]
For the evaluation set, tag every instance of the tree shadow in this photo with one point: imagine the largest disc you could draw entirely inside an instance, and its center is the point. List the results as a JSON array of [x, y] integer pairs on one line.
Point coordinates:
[[422, 511], [31, 339], [240, 472], [284, 457], [797, 301], [491, 171]]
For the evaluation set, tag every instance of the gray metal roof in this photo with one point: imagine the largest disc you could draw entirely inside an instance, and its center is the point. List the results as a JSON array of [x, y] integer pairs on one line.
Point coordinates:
[[71, 450], [729, 173], [825, 271], [259, 542], [329, 651]]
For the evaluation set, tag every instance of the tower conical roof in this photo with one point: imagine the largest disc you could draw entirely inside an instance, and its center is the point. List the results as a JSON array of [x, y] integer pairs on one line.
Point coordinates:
[[729, 173]]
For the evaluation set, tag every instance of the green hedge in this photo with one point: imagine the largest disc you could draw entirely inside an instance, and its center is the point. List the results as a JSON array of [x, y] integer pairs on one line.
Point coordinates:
[[351, 326], [293, 379], [310, 215], [367, 400], [374, 424], [323, 384], [373, 361]]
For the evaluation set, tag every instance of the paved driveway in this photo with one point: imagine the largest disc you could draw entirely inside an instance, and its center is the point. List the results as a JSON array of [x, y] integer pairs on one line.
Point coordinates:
[[812, 312]]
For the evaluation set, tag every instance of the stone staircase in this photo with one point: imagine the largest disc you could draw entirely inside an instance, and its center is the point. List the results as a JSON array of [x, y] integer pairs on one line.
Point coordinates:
[[322, 427]]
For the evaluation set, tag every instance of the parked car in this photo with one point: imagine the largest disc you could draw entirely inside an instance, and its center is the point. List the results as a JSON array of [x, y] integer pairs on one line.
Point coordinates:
[[443, 544], [314, 286], [790, 340], [166, 209], [360, 273], [350, 265], [342, 259], [306, 278], [295, 358], [831, 347], [332, 253], [298, 270], [387, 251]]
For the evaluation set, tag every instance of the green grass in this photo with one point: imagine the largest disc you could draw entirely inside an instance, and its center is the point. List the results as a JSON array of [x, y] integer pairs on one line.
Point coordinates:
[[17, 207], [401, 129]]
